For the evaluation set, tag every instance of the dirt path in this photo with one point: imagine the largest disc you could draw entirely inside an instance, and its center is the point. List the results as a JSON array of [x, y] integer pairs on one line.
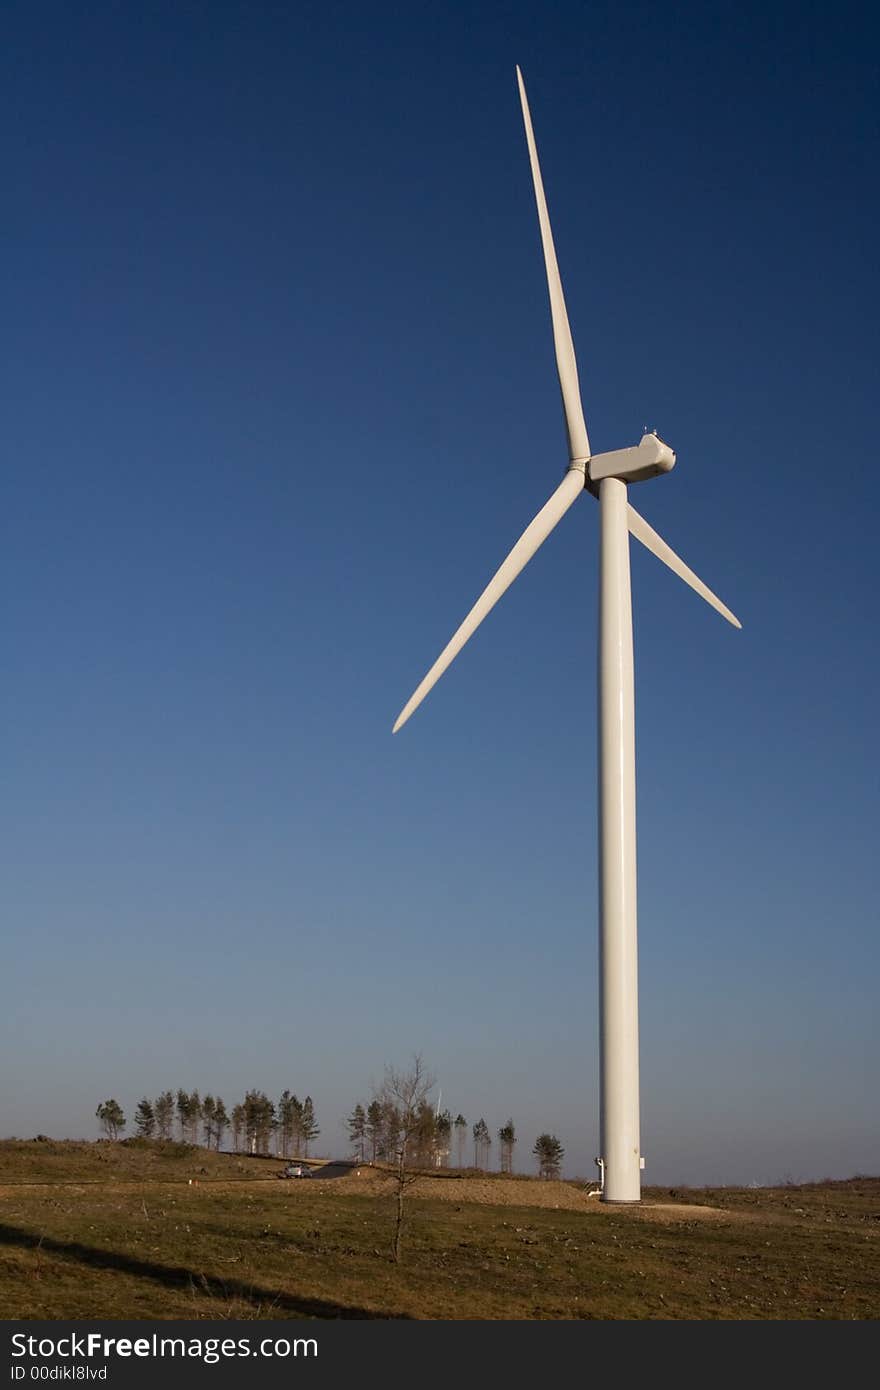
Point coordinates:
[[510, 1193]]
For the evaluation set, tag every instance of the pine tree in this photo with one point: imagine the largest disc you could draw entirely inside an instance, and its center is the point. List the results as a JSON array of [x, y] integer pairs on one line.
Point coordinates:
[[109, 1112], [145, 1119], [460, 1137], [208, 1109], [195, 1115], [506, 1141], [183, 1114], [296, 1125], [549, 1153], [259, 1121], [482, 1141], [443, 1138], [238, 1126], [286, 1117], [390, 1130], [269, 1125], [309, 1128], [423, 1146], [251, 1120], [375, 1119], [221, 1122], [164, 1112], [357, 1131]]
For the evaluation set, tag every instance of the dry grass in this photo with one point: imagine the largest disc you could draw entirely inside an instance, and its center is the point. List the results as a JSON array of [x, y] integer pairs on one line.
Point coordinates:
[[131, 1160], [117, 1240]]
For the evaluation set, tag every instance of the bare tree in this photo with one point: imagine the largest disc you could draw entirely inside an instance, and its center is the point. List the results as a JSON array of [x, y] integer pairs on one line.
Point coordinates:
[[403, 1096]]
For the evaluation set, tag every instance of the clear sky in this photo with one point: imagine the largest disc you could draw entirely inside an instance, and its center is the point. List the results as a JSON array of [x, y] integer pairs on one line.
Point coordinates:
[[279, 394]]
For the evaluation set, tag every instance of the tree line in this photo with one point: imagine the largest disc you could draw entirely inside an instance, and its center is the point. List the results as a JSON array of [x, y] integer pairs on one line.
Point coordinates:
[[255, 1125], [378, 1130]]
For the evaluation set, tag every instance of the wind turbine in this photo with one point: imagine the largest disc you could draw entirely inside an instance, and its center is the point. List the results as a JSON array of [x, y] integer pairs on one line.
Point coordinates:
[[607, 477]]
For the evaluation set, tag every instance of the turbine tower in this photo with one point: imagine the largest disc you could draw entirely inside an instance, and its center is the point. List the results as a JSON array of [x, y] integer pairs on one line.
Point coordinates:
[[607, 477]]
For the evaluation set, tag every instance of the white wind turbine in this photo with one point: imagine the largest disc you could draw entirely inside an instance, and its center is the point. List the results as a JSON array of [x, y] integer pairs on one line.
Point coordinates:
[[606, 476]]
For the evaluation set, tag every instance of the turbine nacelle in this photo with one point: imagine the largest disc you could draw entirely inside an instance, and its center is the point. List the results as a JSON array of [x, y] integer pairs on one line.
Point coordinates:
[[650, 458]]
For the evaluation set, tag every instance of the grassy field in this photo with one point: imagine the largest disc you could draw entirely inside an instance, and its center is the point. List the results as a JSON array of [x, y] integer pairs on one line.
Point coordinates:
[[163, 1231]]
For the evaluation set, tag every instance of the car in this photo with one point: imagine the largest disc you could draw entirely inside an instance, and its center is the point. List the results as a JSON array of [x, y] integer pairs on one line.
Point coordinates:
[[296, 1170]]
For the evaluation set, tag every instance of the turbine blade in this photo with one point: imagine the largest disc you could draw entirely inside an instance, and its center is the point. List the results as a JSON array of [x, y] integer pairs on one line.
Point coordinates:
[[648, 536], [534, 535], [566, 365]]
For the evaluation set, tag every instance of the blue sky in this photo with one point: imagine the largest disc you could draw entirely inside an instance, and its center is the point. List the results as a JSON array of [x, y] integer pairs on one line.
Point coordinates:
[[279, 396]]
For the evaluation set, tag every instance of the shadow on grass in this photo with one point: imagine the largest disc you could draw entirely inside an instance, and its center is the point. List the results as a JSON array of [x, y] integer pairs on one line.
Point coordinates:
[[179, 1277]]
